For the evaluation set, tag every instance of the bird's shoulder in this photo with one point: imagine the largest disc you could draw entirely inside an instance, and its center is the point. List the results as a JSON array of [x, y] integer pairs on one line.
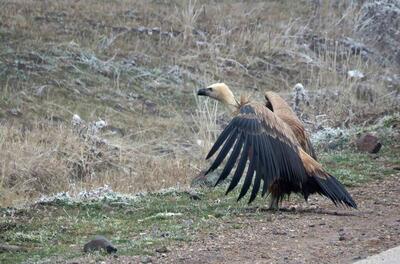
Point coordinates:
[[269, 121]]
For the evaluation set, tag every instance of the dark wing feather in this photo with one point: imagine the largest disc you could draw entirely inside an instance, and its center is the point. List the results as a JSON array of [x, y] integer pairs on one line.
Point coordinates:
[[240, 167], [224, 151], [258, 177], [249, 177], [232, 159], [269, 146], [227, 131]]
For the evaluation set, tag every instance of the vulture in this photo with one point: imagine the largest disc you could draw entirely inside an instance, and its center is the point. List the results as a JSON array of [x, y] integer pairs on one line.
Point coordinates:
[[272, 143]]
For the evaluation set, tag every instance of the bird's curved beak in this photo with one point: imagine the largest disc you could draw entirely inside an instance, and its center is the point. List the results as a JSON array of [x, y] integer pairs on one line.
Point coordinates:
[[202, 92]]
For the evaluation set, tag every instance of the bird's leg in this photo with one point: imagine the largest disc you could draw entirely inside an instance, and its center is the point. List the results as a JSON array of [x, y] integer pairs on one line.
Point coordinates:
[[273, 204]]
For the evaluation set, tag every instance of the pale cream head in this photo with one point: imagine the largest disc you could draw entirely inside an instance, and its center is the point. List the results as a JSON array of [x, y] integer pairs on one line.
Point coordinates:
[[220, 92]]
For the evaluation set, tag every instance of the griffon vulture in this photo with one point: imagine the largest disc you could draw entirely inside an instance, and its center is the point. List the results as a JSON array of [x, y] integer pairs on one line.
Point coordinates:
[[274, 141]]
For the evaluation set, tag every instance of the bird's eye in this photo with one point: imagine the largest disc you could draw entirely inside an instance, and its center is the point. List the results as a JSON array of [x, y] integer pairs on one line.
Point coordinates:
[[209, 89]]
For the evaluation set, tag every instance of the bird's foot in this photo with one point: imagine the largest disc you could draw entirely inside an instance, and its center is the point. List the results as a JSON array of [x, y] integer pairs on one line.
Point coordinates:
[[274, 205]]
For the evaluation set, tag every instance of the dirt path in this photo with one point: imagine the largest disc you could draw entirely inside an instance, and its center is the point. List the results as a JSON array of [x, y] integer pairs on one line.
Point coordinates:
[[318, 233]]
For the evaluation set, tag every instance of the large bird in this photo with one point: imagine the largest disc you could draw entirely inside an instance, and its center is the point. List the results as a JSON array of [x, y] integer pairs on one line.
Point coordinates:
[[272, 141]]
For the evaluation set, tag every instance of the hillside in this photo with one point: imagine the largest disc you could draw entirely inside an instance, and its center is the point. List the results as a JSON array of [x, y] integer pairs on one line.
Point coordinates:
[[102, 94]]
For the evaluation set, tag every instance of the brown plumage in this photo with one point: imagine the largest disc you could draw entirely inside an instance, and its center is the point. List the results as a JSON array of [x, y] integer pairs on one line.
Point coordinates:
[[281, 109], [273, 141]]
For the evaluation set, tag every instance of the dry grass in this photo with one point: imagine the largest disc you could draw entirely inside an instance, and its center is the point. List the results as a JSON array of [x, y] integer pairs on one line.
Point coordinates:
[[136, 64], [48, 159]]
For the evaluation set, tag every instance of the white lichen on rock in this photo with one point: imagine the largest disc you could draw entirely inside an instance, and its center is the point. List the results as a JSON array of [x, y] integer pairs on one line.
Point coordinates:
[[101, 194], [355, 74]]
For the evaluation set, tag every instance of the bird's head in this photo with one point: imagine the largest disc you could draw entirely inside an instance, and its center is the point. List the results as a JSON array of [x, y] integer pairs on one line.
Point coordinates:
[[220, 92]]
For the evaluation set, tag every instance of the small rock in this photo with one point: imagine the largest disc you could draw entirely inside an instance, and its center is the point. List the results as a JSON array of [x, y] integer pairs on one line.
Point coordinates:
[[193, 195], [280, 233], [146, 259], [10, 248], [396, 167], [119, 107], [368, 143], [14, 112], [355, 74], [76, 120], [162, 249], [99, 243], [100, 124]]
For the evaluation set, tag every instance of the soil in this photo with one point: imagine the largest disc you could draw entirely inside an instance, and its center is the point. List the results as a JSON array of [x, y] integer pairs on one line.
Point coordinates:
[[317, 232]]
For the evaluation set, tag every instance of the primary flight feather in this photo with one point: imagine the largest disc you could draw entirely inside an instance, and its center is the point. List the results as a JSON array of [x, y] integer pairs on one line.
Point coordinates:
[[272, 143]]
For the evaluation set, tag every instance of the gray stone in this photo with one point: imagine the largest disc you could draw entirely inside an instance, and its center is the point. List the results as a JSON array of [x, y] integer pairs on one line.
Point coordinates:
[[162, 249], [99, 243], [146, 259]]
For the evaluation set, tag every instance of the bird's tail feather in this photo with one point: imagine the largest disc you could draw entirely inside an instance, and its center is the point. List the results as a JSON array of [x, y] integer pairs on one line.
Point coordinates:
[[334, 190], [323, 183]]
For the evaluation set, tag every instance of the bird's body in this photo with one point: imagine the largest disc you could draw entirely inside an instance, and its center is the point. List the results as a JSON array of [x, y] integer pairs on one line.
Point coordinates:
[[281, 109], [273, 141]]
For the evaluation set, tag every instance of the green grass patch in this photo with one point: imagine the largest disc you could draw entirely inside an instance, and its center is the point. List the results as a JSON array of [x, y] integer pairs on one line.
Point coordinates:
[[354, 168], [138, 227]]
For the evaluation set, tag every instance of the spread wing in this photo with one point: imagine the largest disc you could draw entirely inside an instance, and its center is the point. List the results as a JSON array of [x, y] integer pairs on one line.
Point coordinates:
[[257, 137]]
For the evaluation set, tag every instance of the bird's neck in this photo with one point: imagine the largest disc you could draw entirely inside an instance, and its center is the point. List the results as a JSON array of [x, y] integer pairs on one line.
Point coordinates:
[[231, 103]]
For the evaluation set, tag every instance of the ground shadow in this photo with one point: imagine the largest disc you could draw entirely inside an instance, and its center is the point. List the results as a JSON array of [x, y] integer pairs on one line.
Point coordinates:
[[292, 210]]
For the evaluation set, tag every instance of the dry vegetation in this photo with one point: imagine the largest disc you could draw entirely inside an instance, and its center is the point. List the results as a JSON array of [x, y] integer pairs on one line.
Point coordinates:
[[136, 64]]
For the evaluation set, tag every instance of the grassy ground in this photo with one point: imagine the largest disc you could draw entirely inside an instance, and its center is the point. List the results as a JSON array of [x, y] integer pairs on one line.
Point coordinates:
[[135, 227], [136, 65], [57, 230]]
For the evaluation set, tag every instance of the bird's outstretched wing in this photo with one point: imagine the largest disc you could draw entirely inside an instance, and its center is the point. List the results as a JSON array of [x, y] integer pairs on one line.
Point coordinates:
[[256, 135]]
